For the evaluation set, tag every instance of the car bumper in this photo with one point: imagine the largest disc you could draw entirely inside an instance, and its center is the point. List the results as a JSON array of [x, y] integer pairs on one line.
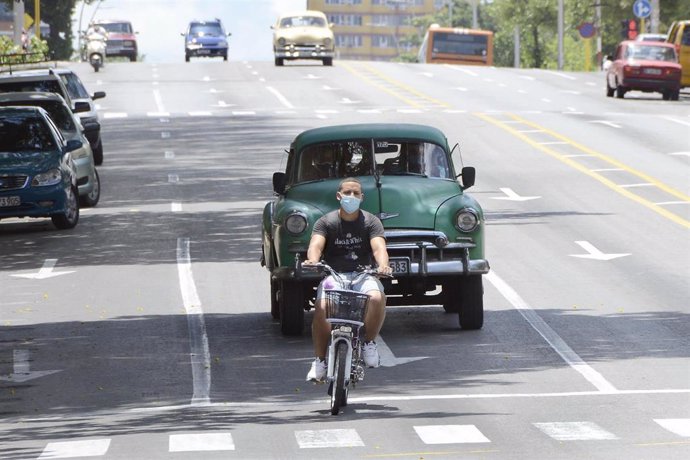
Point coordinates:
[[36, 202], [206, 51], [304, 52], [85, 174], [647, 84]]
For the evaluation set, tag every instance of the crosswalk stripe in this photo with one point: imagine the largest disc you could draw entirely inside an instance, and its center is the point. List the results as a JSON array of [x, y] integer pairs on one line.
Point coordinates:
[[450, 434], [310, 439], [76, 449], [679, 426], [196, 442], [575, 431]]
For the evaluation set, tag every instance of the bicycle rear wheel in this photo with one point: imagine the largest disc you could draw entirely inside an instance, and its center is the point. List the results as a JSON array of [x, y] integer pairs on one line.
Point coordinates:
[[339, 392]]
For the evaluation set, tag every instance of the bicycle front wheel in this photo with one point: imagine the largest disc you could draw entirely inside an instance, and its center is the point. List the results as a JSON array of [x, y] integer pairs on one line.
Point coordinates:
[[339, 392]]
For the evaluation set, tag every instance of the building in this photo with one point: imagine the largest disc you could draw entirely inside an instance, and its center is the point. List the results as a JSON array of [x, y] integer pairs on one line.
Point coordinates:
[[374, 30]]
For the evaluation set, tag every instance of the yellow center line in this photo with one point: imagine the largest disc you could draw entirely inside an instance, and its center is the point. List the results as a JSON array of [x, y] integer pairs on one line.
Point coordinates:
[[574, 164], [396, 84]]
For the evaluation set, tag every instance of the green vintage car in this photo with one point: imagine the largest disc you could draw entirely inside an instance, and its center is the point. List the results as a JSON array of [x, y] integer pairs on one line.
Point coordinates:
[[434, 231]]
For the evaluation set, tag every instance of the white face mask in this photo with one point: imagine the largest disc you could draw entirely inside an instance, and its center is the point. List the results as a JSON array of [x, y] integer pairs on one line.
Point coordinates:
[[349, 204]]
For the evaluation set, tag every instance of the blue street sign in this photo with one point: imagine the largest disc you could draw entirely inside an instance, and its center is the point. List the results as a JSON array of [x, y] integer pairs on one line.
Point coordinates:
[[642, 8]]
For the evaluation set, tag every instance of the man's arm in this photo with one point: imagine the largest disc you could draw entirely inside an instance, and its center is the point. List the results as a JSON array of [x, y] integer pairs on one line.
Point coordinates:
[[378, 247], [316, 247]]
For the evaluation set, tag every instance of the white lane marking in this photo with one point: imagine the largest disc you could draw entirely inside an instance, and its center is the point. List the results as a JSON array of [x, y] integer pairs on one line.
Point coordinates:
[[461, 88], [74, 449], [553, 143], [196, 442], [512, 196], [200, 113], [594, 253], [159, 100], [283, 100], [388, 359], [347, 100], [460, 69], [525, 131], [369, 111], [175, 207], [409, 111], [679, 426], [575, 431], [165, 135], [157, 114], [450, 434], [553, 339], [173, 178], [21, 369], [46, 271], [200, 356], [562, 75], [545, 99], [243, 112], [110, 115], [169, 154], [607, 123], [675, 120], [311, 439], [666, 203], [687, 154], [641, 184], [606, 169]]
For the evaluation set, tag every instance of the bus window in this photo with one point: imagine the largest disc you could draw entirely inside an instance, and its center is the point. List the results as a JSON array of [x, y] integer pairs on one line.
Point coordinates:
[[445, 45]]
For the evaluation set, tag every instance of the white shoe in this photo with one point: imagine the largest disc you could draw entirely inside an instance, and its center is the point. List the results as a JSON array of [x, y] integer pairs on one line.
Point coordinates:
[[371, 354], [318, 371]]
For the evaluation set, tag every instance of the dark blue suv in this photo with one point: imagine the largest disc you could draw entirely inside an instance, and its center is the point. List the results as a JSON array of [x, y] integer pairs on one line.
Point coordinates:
[[205, 39]]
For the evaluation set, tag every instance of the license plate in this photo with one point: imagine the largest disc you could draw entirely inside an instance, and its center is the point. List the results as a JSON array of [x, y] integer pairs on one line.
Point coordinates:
[[204, 52], [652, 71], [6, 201], [400, 266]]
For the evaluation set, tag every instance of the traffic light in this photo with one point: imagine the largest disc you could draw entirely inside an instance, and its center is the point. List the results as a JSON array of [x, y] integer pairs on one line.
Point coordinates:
[[629, 29]]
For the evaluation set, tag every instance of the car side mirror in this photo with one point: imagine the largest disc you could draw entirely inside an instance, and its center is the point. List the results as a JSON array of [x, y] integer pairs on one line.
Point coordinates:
[[279, 182], [81, 107], [229, 34], [468, 176], [182, 34], [73, 145], [98, 95]]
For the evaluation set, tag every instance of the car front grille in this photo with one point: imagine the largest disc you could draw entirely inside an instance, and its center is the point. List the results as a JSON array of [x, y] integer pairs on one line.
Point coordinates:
[[13, 182], [430, 246]]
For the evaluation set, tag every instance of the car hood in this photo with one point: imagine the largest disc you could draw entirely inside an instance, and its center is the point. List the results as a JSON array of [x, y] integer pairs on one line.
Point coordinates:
[[652, 63], [304, 34], [28, 163], [400, 202]]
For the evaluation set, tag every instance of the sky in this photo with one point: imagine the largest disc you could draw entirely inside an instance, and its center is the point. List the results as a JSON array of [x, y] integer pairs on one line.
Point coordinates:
[[160, 22]]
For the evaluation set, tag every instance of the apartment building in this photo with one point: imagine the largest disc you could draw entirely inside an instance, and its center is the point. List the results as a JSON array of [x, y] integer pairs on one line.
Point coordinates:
[[374, 30]]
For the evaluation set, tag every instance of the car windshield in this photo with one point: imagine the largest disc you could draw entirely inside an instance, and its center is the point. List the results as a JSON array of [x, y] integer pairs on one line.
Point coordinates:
[[60, 114], [46, 86], [24, 134], [354, 158], [74, 86], [213, 30], [303, 21], [651, 53], [117, 27]]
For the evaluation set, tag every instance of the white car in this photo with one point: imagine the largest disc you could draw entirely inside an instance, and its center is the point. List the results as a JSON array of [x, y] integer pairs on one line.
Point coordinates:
[[303, 35]]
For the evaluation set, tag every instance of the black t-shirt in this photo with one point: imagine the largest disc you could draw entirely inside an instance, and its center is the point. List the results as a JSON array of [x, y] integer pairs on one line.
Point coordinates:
[[348, 242]]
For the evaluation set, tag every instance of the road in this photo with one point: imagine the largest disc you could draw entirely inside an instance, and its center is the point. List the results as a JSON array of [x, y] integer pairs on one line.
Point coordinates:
[[145, 332]]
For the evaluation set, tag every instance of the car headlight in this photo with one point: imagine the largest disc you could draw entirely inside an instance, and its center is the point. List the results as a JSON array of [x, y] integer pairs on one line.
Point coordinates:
[[327, 42], [296, 223], [281, 41], [223, 43], [467, 220], [51, 177]]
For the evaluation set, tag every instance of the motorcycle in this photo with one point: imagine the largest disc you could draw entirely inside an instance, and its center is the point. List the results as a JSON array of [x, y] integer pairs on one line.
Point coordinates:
[[345, 312], [94, 50]]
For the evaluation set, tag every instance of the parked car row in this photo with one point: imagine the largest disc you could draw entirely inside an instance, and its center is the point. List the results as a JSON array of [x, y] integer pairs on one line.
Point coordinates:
[[50, 144]]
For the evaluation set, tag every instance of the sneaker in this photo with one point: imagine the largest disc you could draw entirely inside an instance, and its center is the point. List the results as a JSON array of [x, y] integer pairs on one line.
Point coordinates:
[[318, 371], [371, 354]]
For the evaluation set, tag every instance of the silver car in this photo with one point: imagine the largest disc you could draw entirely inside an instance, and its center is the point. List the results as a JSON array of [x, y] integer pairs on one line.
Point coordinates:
[[88, 181]]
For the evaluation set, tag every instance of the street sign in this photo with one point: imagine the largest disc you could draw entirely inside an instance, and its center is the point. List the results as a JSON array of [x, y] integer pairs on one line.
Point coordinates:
[[586, 30], [642, 8]]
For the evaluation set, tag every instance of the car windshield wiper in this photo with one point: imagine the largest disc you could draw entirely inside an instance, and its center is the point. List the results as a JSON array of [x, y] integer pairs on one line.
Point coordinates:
[[405, 173]]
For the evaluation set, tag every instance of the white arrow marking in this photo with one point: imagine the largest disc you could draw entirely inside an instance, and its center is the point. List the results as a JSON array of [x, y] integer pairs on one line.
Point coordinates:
[[427, 74], [687, 154], [512, 196], [594, 253], [46, 271], [388, 359], [21, 371], [606, 122]]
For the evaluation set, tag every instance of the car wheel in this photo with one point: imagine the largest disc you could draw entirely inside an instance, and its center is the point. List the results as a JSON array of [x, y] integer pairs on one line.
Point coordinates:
[[328, 61], [279, 62], [70, 217], [674, 95], [132, 59], [291, 305], [472, 300], [186, 58], [275, 307], [225, 57], [91, 199], [98, 153], [620, 92]]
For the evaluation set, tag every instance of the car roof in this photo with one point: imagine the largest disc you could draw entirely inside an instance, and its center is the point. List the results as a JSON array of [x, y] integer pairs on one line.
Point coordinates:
[[303, 13], [648, 43], [109, 21], [369, 130], [22, 110]]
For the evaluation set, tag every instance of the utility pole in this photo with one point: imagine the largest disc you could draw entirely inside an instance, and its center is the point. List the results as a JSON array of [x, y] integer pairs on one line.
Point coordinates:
[[18, 21], [560, 34], [37, 19], [655, 17], [598, 28]]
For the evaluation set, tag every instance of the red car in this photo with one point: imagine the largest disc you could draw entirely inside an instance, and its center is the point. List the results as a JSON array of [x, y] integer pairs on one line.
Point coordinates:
[[644, 66]]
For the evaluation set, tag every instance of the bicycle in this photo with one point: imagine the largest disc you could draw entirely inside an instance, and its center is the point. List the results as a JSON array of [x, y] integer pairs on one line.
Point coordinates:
[[345, 312]]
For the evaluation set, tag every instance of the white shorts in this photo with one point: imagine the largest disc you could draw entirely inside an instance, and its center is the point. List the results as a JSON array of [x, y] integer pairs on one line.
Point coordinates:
[[366, 284]]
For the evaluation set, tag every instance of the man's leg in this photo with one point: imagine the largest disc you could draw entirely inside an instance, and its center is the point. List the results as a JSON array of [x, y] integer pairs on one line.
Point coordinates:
[[376, 313]]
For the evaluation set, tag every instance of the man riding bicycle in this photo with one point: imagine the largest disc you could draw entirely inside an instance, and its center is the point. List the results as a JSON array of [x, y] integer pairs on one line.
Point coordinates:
[[348, 238]]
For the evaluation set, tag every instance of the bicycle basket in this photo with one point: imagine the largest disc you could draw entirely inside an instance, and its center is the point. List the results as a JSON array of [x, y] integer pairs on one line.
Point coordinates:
[[345, 305]]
